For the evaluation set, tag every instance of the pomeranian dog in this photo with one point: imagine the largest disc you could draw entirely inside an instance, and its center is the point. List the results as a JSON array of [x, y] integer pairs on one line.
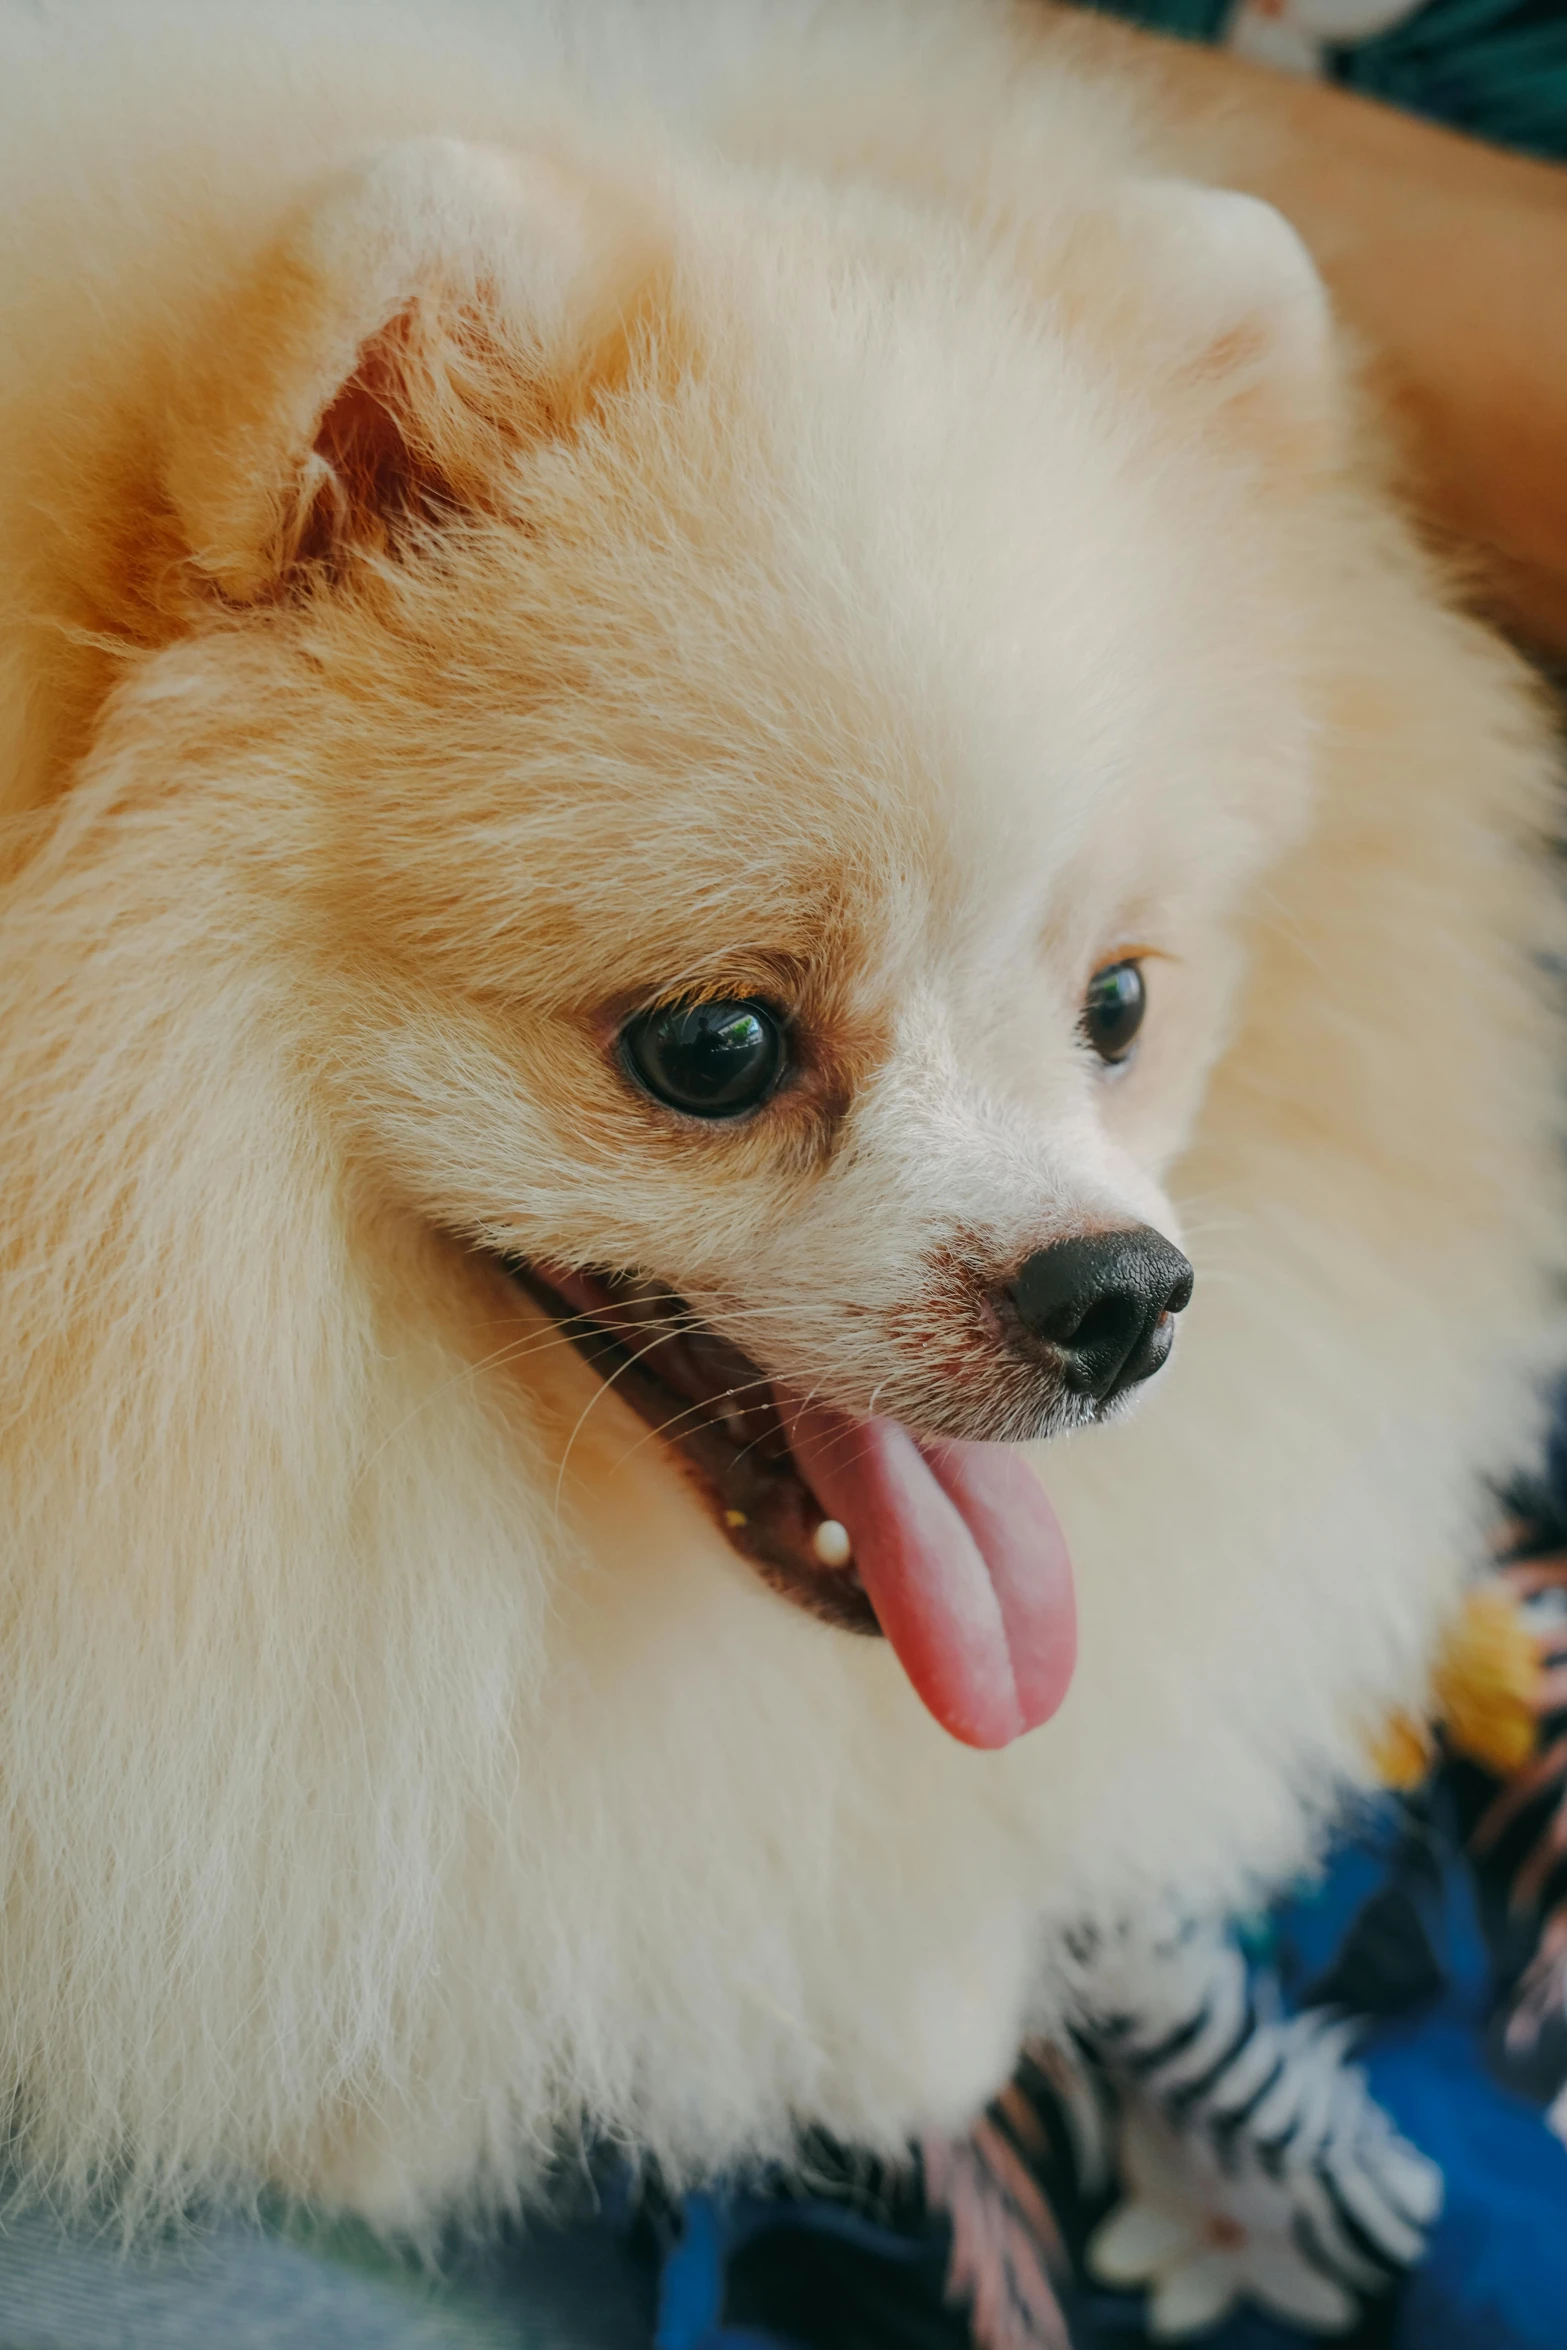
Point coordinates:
[[715, 741]]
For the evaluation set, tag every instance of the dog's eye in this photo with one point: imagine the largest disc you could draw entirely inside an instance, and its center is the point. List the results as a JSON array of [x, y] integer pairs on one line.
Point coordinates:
[[1113, 1009], [712, 1060]]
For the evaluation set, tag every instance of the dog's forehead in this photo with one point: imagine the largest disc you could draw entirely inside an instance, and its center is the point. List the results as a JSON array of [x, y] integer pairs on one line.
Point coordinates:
[[850, 799], [861, 878], [947, 621], [932, 800], [854, 649]]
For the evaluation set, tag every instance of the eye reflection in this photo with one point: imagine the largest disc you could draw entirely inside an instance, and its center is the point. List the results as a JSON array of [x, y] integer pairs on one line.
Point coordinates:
[[1113, 1009], [708, 1060]]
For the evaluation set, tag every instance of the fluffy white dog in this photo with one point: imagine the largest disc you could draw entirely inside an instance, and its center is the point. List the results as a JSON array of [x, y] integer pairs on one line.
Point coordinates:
[[712, 734]]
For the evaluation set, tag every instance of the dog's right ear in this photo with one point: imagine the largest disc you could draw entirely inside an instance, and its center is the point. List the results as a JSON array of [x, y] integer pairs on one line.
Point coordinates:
[[417, 328], [1212, 296]]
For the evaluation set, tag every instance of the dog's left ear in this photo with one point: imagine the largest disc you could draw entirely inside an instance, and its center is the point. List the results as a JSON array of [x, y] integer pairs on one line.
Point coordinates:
[[1220, 298], [413, 331]]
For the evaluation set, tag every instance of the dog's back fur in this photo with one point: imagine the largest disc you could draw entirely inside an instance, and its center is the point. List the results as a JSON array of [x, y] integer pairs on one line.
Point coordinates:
[[381, 1801]]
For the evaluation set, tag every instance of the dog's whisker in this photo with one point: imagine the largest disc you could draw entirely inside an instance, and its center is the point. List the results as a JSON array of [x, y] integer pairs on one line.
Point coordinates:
[[524, 1348], [603, 1388], [555, 1334]]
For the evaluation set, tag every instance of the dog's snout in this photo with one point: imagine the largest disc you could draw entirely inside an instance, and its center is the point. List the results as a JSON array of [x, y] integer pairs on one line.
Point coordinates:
[[1104, 1305]]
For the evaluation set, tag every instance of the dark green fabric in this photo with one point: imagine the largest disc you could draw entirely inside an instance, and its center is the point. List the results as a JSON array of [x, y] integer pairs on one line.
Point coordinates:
[[1195, 20], [1494, 68]]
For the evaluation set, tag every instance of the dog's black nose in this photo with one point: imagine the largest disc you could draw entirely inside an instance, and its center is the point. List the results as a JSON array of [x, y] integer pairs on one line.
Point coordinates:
[[1105, 1305]]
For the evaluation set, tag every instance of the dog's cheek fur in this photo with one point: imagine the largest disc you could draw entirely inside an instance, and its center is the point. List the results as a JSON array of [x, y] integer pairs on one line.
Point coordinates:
[[381, 1800], [1373, 1209]]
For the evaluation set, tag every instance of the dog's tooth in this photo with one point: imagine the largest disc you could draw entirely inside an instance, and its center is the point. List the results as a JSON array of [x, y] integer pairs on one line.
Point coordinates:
[[831, 1543]]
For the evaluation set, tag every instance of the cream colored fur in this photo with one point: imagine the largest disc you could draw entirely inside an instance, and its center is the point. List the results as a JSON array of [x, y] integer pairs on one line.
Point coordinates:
[[891, 539]]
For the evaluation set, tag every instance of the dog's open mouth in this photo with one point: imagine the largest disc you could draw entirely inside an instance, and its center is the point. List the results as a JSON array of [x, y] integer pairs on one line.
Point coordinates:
[[712, 1406], [951, 1550]]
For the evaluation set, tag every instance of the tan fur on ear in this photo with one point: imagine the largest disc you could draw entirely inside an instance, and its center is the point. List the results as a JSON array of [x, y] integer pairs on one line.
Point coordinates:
[[1220, 292], [426, 317]]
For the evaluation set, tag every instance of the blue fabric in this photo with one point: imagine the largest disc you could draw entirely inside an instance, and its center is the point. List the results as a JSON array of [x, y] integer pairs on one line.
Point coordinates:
[[691, 2292], [1495, 2276], [1495, 2273], [708, 2235]]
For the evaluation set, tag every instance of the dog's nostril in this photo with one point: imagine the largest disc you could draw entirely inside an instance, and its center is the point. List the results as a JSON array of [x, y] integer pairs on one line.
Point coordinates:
[[1105, 1305], [1112, 1322]]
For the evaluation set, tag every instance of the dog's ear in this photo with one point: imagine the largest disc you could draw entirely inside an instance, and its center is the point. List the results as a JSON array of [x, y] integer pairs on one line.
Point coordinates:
[[413, 331], [1222, 298]]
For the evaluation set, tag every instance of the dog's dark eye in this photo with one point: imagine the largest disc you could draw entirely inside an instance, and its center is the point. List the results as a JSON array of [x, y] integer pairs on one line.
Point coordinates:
[[713, 1060], [1113, 1009]]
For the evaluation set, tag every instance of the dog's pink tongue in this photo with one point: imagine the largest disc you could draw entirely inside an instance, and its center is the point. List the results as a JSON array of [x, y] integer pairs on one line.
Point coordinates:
[[963, 1560]]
